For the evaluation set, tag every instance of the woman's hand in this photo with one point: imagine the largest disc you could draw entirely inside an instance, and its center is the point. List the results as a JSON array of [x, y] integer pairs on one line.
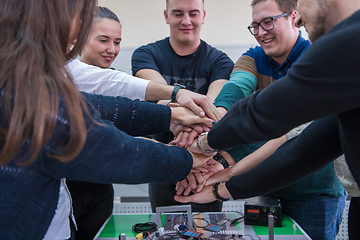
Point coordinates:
[[184, 116]]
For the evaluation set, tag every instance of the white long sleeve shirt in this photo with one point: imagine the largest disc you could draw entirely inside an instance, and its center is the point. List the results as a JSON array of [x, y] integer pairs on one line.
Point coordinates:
[[92, 79]]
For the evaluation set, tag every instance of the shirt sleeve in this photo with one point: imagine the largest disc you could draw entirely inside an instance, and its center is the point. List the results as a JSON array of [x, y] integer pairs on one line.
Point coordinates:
[[221, 67], [132, 116], [112, 156], [240, 85], [314, 148], [144, 58], [109, 82], [243, 82]]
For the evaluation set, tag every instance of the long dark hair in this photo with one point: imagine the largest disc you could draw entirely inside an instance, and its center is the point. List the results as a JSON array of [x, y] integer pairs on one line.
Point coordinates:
[[33, 54]]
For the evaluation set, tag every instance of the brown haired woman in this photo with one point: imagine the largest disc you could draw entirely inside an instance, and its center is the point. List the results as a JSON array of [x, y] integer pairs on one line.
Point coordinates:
[[49, 131]]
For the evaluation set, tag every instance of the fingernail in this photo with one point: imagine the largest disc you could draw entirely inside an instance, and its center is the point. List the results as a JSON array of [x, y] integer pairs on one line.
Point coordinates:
[[213, 123]]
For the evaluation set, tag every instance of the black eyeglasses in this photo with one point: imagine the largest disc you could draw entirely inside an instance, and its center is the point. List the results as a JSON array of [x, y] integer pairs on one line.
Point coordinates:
[[267, 24]]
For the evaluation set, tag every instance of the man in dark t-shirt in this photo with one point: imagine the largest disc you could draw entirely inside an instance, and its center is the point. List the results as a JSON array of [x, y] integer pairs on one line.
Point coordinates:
[[183, 58]]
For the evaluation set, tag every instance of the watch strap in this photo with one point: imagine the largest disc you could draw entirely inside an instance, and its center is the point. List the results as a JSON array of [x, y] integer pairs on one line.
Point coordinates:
[[177, 87]]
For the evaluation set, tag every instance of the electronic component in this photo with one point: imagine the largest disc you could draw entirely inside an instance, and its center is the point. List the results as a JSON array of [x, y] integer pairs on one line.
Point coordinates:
[[213, 227], [222, 221], [257, 210], [189, 233]]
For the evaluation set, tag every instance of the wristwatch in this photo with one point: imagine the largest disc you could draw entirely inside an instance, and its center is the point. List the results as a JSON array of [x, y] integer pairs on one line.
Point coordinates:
[[175, 91]]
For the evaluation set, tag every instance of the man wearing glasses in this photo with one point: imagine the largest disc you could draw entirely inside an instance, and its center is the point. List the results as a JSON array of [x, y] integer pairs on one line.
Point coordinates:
[[281, 44]]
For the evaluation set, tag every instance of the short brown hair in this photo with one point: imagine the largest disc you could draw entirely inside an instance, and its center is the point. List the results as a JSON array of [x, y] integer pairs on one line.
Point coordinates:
[[284, 5]]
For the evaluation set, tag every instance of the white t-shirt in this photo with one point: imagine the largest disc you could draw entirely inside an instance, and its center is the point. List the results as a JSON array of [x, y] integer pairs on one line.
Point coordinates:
[[92, 79]]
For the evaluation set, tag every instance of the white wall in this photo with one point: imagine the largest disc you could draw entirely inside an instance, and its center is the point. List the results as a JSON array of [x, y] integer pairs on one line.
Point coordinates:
[[143, 22]]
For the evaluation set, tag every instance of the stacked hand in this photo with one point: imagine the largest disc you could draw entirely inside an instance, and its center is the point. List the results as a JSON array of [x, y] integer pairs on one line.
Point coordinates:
[[200, 182]]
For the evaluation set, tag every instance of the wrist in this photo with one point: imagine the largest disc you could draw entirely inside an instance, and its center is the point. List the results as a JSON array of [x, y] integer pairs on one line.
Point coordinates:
[[219, 193], [219, 158], [176, 89], [203, 145]]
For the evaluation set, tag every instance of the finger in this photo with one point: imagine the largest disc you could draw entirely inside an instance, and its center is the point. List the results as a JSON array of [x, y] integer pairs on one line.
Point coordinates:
[[196, 109], [210, 110], [184, 140], [177, 138], [192, 135], [180, 189], [201, 187], [187, 191], [184, 183], [184, 199], [211, 161], [198, 127], [199, 178], [192, 180]]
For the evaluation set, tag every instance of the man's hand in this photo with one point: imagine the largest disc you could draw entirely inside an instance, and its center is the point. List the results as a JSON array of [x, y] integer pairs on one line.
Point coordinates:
[[197, 179], [205, 196], [198, 103]]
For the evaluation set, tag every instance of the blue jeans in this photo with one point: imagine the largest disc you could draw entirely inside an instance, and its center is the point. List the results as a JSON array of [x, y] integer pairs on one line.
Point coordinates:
[[320, 217]]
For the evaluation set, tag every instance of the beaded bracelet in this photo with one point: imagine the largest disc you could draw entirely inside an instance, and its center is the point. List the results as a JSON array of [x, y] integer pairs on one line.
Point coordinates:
[[217, 195], [219, 158], [198, 144]]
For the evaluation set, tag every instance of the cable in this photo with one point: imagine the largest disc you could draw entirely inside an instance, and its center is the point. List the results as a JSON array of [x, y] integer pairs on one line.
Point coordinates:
[[202, 219], [145, 227]]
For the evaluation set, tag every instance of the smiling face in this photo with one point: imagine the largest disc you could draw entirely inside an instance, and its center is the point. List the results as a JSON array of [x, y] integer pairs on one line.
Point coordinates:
[[278, 42], [103, 44], [185, 18]]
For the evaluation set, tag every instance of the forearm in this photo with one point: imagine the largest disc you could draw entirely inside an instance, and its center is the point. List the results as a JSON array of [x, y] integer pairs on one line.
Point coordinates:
[[151, 75], [108, 82], [257, 157], [158, 91], [240, 85], [313, 149], [111, 156], [132, 116], [214, 89]]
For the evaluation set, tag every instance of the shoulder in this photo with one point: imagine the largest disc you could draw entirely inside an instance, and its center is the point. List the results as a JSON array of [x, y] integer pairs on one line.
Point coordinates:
[[213, 54], [155, 46], [255, 52]]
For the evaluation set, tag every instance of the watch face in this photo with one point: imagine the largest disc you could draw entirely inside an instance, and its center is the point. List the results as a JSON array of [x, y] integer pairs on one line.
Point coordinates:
[[179, 85]]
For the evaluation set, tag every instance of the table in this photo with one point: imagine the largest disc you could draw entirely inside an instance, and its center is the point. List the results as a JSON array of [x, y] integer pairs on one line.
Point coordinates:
[[122, 223]]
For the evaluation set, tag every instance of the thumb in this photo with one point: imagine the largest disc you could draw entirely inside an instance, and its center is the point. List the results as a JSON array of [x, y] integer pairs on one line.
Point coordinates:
[[183, 199]]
